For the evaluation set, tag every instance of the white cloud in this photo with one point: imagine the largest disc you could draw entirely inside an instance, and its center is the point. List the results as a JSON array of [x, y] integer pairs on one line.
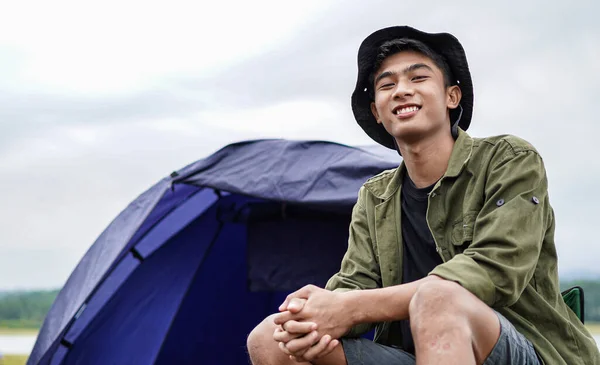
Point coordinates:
[[116, 46], [298, 119], [101, 99]]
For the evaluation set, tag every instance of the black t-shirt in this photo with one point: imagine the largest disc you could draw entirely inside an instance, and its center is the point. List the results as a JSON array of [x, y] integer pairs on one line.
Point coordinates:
[[420, 256]]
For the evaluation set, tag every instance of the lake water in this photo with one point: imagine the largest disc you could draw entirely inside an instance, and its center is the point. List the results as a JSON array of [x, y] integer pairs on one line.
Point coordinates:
[[16, 344], [23, 344]]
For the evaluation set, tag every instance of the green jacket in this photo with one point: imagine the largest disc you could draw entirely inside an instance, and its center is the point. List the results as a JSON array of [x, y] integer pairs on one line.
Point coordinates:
[[493, 226]]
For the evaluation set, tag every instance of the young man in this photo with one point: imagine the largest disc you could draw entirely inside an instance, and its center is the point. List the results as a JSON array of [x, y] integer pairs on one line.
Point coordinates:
[[451, 256]]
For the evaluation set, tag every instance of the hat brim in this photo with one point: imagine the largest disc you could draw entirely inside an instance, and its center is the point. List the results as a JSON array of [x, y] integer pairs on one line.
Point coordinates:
[[444, 44]]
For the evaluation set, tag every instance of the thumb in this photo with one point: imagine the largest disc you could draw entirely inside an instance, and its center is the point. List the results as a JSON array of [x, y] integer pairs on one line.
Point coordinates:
[[296, 305], [303, 292]]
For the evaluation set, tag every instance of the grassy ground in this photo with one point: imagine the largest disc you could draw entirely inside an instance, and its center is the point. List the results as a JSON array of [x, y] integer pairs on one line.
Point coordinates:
[[13, 360], [593, 327], [17, 331]]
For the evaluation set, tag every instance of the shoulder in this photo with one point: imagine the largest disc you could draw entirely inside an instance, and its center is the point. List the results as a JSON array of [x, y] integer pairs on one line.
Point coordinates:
[[381, 186], [383, 178], [503, 147], [507, 158], [506, 142]]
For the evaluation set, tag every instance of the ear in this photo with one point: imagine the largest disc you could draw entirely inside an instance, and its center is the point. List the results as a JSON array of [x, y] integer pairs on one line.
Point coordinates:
[[375, 113], [454, 95]]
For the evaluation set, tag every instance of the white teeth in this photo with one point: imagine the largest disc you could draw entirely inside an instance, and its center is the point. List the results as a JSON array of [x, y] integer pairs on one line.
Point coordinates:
[[407, 110]]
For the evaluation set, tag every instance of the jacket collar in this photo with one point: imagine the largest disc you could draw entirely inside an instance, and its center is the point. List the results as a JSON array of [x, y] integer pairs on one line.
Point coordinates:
[[385, 185], [461, 154]]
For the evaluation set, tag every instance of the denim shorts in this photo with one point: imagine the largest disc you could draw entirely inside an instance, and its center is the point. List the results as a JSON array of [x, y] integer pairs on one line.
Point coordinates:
[[512, 348]]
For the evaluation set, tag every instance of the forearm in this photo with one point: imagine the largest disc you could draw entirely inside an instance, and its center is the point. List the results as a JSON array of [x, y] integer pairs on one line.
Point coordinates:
[[384, 304]]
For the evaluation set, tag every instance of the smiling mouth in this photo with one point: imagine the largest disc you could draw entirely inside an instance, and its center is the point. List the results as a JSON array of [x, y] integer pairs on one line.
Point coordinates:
[[407, 110]]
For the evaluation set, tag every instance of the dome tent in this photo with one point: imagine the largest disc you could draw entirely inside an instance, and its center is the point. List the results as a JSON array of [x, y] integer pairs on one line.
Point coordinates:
[[194, 263]]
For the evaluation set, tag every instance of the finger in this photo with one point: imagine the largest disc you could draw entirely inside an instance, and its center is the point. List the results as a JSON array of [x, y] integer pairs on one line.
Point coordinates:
[[285, 337], [296, 327], [284, 305], [284, 349], [286, 302], [315, 351], [302, 343], [280, 335], [281, 318], [296, 305], [297, 359], [303, 292], [297, 356], [293, 355], [332, 345]]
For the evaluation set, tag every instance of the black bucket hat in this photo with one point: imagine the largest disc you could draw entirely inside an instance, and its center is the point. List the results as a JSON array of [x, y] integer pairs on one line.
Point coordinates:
[[446, 45]]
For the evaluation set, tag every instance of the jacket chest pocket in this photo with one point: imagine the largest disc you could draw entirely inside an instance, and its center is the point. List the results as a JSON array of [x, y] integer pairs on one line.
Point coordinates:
[[462, 234]]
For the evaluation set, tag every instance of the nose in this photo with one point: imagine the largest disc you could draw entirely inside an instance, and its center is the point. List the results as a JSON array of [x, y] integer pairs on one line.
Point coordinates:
[[403, 89]]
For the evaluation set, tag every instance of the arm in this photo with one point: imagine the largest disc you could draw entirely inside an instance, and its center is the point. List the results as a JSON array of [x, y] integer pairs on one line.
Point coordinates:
[[359, 268], [331, 314], [507, 238], [382, 305]]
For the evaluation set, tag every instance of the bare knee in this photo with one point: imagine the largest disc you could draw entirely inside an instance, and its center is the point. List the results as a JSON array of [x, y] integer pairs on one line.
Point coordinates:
[[435, 293], [261, 337], [437, 311], [440, 300], [262, 347], [444, 309]]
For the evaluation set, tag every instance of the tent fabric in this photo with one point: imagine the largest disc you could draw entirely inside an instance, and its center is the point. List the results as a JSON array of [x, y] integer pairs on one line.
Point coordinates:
[[92, 267], [139, 315], [206, 253], [276, 267], [310, 172]]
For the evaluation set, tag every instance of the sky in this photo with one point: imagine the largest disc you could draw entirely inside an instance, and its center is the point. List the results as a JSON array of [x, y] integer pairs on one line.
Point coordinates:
[[101, 99]]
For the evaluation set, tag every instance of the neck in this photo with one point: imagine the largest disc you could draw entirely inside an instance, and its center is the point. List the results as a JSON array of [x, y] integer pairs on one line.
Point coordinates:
[[427, 160]]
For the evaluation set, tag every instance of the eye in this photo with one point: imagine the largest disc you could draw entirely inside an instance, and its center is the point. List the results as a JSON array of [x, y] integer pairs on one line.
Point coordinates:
[[386, 86], [419, 78]]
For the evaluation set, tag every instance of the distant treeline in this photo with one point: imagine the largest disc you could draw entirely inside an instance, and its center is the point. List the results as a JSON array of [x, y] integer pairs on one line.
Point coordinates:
[[28, 309], [25, 309]]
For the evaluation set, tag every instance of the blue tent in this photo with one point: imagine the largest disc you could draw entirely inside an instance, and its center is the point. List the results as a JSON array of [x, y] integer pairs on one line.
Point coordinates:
[[184, 273]]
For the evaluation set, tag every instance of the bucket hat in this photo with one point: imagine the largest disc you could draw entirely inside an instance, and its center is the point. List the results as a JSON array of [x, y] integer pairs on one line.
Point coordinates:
[[444, 44]]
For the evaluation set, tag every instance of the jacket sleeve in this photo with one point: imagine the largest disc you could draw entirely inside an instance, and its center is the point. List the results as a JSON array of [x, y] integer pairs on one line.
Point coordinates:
[[508, 231], [359, 269]]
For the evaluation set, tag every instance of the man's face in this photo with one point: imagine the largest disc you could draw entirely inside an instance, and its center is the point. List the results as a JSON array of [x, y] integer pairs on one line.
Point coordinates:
[[411, 100]]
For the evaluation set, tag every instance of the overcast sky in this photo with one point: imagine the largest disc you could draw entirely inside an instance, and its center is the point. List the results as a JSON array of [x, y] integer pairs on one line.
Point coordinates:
[[99, 100]]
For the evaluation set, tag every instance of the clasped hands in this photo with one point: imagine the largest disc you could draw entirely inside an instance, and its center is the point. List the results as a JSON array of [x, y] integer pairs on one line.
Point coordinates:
[[310, 323]]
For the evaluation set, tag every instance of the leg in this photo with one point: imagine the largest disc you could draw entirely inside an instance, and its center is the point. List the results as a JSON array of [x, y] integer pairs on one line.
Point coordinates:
[[360, 351], [512, 347], [263, 350], [451, 326]]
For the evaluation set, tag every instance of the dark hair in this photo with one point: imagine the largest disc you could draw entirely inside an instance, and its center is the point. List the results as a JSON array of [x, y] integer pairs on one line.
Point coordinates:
[[394, 46]]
